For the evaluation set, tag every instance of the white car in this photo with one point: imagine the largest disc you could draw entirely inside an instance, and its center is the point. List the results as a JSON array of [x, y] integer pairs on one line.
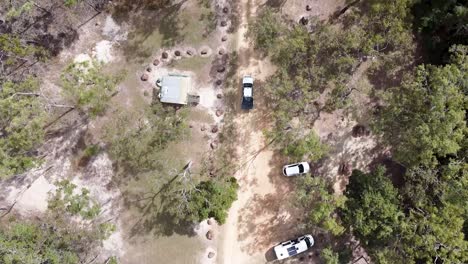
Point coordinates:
[[293, 247], [296, 169]]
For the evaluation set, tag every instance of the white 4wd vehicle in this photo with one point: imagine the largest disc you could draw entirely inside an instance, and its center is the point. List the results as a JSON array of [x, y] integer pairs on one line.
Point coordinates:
[[247, 92], [296, 169], [293, 247]]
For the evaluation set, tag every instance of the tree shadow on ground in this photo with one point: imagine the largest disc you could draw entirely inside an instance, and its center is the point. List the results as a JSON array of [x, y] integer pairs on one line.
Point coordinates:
[[146, 23], [153, 216]]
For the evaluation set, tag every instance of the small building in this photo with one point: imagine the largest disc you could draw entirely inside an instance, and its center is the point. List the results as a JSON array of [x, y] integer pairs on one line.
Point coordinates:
[[175, 89]]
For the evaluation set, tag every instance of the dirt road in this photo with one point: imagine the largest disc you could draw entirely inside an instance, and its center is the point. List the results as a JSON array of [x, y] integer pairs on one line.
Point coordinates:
[[261, 217]]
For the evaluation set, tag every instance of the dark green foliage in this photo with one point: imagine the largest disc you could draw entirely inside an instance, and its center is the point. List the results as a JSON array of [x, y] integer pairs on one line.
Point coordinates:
[[308, 147], [372, 207], [442, 24], [88, 87], [206, 199], [425, 118], [22, 118], [314, 194], [265, 30], [28, 243]]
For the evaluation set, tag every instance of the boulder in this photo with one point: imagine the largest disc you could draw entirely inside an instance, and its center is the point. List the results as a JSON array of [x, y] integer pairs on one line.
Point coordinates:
[[225, 10], [148, 69], [221, 69], [210, 221], [219, 112], [345, 168], [224, 38], [165, 55], [203, 128], [304, 21], [308, 8], [177, 53], [156, 62], [144, 77], [221, 51], [213, 145], [209, 235], [211, 254], [204, 52], [214, 129], [223, 23], [190, 52], [219, 96], [218, 82], [360, 130]]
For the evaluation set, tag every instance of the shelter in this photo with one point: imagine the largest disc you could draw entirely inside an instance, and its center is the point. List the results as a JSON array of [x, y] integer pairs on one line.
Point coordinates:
[[175, 89]]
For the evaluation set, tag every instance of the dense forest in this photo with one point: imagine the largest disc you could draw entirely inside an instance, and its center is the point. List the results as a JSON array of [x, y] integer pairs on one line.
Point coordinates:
[[421, 52], [419, 73]]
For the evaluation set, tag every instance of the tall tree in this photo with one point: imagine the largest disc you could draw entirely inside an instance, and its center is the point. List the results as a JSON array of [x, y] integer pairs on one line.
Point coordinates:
[[425, 118]]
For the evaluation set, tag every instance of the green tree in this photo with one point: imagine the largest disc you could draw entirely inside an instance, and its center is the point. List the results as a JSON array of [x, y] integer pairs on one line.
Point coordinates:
[[313, 194], [372, 207], [22, 118], [265, 30], [308, 147], [425, 118], [88, 87], [329, 257], [206, 199], [66, 200]]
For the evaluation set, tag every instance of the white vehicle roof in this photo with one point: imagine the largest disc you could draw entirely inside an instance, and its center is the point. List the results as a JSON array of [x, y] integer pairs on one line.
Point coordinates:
[[247, 79], [294, 168], [247, 91], [293, 247]]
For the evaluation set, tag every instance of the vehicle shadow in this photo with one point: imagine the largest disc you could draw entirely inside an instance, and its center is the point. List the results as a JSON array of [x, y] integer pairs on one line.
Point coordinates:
[[270, 255]]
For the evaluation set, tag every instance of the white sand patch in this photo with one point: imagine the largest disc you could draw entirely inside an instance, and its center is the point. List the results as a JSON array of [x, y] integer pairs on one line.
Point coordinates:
[[34, 199], [103, 51], [110, 28]]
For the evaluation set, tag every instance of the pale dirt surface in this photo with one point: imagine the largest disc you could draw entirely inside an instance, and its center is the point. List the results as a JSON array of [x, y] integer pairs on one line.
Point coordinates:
[[262, 215]]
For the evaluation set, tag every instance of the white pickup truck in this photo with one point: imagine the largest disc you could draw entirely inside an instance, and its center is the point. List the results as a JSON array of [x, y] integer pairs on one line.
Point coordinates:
[[293, 247]]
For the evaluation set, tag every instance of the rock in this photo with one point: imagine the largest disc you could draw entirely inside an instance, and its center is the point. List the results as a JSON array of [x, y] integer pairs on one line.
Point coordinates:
[[213, 145], [97, 24], [156, 62], [177, 53], [304, 21], [209, 235], [360, 130], [219, 112], [165, 55], [225, 10], [210, 221], [203, 128], [190, 126], [218, 82], [219, 96], [221, 51], [345, 168], [223, 23], [204, 52], [308, 7], [144, 77], [221, 69], [189, 52], [212, 174], [211, 254], [214, 129], [224, 38], [148, 69]]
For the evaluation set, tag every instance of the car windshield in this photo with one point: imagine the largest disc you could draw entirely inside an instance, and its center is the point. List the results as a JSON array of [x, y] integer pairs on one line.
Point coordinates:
[[247, 85], [308, 242], [301, 168]]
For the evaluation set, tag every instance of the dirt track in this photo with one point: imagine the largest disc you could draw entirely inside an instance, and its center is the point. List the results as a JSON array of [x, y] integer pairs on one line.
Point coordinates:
[[261, 217]]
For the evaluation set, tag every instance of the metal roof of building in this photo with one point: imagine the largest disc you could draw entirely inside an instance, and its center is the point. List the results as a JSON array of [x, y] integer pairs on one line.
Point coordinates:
[[174, 89]]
